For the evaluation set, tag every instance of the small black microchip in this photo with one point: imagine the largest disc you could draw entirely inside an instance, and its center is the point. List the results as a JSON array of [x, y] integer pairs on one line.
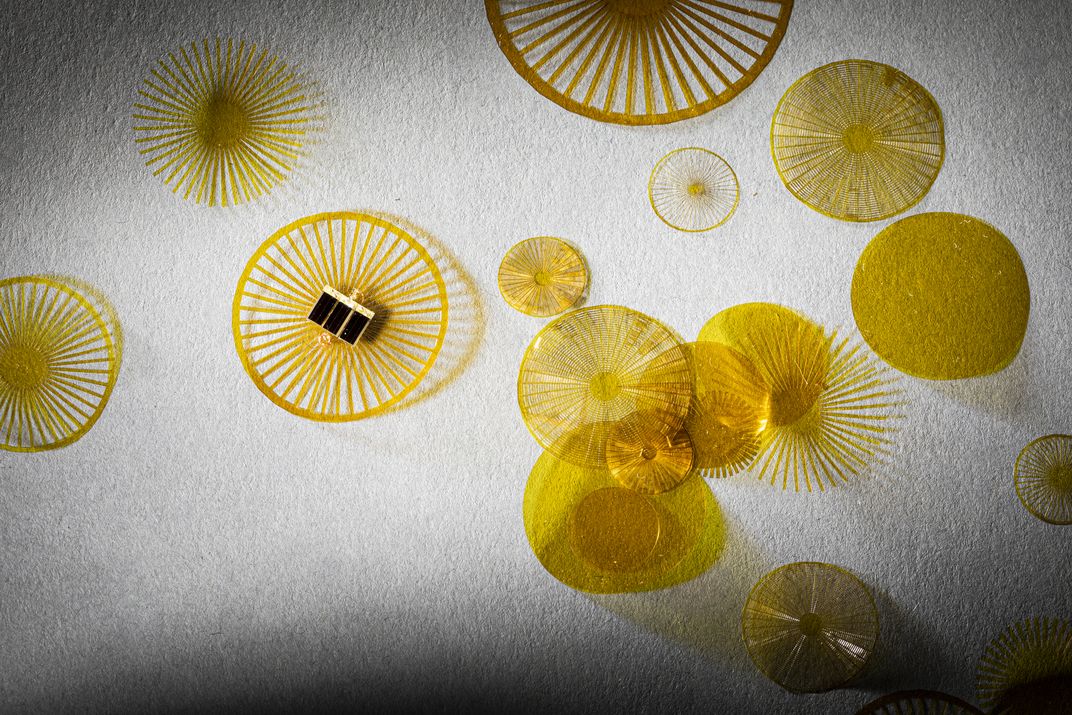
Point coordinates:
[[341, 316]]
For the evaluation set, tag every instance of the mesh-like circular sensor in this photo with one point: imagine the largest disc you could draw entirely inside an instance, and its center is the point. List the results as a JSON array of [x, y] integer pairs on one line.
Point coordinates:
[[591, 368], [810, 626], [338, 316], [542, 276], [1043, 478], [1027, 669], [858, 140], [693, 189], [60, 350]]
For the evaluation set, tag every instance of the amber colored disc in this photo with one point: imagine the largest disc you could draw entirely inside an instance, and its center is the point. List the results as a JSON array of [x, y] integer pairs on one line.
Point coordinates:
[[833, 408], [639, 61], [942, 296], [542, 276], [1043, 478], [594, 535], [1029, 662], [593, 367], [693, 189], [810, 626], [304, 369], [614, 529], [60, 351], [858, 140], [918, 702], [644, 459], [730, 409]]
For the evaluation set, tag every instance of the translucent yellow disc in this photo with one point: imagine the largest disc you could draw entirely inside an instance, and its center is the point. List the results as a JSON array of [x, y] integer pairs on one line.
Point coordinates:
[[223, 122], [858, 140], [306, 370], [730, 409], [593, 367], [542, 276], [1043, 478], [595, 535], [1027, 669], [60, 350], [644, 459], [832, 409], [810, 626], [918, 702], [693, 189], [942, 296], [639, 61]]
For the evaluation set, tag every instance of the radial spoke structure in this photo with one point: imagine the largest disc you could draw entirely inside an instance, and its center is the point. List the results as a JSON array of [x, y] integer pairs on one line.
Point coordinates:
[[1043, 478], [543, 276], [858, 140], [59, 359], [308, 371], [810, 626], [222, 123], [693, 189], [639, 61]]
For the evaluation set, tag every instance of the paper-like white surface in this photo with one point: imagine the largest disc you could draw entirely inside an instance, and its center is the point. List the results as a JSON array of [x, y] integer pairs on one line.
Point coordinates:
[[201, 548]]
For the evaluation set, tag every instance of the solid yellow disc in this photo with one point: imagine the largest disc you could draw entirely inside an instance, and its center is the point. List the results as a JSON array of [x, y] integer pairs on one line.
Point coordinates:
[[614, 529], [942, 296], [594, 535]]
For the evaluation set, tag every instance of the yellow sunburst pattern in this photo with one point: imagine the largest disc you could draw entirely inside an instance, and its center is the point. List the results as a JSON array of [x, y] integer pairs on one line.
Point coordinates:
[[918, 702], [1027, 666], [543, 276], [223, 123], [60, 349], [693, 189]]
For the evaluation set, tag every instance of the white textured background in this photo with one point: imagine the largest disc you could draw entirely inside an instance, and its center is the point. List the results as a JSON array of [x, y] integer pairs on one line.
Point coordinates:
[[201, 548]]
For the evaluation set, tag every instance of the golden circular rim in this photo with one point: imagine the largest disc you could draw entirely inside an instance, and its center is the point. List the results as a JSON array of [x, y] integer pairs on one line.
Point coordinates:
[[374, 222], [1018, 479], [893, 704], [655, 351], [111, 348], [676, 152], [564, 251], [841, 217], [496, 19], [848, 577]]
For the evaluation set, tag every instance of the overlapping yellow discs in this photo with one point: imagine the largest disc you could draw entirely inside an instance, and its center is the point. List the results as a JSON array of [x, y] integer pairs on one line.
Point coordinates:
[[693, 189], [60, 349], [1027, 669], [646, 460], [858, 140], [810, 626], [542, 276], [730, 409], [942, 296], [918, 702], [639, 61], [595, 535], [306, 370], [1043, 478], [223, 122], [591, 368], [832, 407]]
